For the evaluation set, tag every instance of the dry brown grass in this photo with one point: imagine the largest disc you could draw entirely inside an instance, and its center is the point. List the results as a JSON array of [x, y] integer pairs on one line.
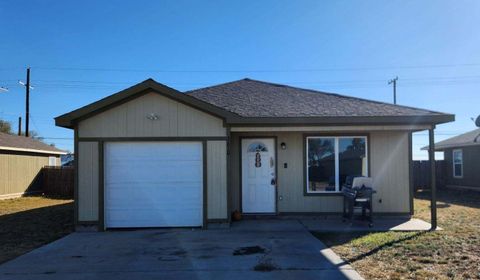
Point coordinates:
[[453, 253], [30, 222]]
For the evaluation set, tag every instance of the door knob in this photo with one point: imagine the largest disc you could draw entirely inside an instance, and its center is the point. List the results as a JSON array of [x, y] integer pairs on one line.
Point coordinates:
[[273, 182]]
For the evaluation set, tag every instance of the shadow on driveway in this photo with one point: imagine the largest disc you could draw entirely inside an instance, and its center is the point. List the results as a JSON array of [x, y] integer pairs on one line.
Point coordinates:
[[25, 230]]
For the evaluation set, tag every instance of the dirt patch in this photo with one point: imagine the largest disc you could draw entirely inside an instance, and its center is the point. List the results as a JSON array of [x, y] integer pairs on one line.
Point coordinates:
[[248, 251], [30, 222]]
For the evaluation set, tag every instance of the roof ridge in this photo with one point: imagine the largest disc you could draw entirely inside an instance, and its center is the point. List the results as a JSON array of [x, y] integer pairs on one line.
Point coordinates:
[[342, 95]]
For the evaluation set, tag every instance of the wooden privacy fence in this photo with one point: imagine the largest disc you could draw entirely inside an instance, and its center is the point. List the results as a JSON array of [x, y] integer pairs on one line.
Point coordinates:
[[421, 174], [58, 181]]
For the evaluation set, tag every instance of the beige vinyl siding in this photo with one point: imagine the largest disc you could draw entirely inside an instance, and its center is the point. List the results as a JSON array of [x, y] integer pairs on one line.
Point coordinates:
[[130, 120], [389, 168], [217, 179], [18, 172], [88, 181], [390, 171]]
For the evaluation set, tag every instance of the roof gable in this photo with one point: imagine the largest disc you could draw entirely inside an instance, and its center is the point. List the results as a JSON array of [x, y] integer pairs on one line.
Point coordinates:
[[247, 102], [147, 86]]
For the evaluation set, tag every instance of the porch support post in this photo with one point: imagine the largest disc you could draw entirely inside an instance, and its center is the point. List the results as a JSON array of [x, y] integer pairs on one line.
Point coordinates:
[[433, 186]]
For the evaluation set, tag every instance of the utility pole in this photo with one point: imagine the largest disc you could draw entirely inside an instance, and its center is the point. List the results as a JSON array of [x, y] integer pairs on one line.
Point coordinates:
[[27, 100], [19, 126], [394, 82]]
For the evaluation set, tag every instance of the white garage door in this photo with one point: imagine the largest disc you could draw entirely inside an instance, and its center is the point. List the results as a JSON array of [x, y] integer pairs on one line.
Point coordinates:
[[153, 184]]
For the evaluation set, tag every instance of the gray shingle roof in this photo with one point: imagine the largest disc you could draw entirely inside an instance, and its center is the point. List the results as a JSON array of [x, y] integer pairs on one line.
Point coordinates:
[[247, 102], [14, 142], [251, 98], [462, 140]]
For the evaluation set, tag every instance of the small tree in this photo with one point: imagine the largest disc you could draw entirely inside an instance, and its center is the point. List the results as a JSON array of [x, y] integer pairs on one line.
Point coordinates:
[[5, 127]]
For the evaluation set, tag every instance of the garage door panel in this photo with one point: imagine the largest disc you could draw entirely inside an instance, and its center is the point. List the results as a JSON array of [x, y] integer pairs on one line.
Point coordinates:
[[163, 171], [146, 194], [122, 218], [170, 151], [153, 184]]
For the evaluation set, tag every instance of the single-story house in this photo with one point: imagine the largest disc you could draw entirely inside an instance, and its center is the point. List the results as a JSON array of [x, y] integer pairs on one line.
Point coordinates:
[[21, 160], [462, 160], [151, 156]]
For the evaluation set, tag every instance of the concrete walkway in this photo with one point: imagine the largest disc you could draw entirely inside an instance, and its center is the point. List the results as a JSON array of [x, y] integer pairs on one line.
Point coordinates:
[[267, 249], [335, 224]]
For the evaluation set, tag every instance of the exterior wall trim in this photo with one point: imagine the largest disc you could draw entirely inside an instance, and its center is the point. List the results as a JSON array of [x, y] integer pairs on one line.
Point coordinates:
[[75, 178], [101, 187], [146, 139], [329, 128], [205, 183], [229, 185], [410, 173], [34, 151]]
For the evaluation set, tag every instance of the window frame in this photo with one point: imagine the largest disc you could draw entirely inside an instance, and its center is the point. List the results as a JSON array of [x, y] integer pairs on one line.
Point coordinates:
[[461, 163], [336, 138]]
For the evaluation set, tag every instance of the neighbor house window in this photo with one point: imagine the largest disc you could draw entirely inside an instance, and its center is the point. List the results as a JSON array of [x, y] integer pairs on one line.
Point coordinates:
[[52, 161], [457, 163], [331, 160]]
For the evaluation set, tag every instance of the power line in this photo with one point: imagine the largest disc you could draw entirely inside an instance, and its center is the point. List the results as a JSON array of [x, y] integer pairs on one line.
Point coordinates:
[[408, 82], [364, 68], [418, 79], [256, 70]]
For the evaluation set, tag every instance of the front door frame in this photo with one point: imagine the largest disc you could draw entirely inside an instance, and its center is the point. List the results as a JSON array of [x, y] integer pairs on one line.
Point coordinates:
[[241, 170]]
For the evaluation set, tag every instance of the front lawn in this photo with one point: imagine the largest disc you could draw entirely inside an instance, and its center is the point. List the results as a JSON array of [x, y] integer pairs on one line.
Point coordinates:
[[30, 222], [453, 253]]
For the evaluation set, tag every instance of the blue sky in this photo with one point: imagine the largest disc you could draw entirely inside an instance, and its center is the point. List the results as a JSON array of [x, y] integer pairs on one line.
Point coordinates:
[[81, 51]]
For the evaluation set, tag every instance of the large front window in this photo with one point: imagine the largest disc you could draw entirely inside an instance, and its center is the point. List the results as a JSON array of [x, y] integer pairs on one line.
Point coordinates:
[[331, 161]]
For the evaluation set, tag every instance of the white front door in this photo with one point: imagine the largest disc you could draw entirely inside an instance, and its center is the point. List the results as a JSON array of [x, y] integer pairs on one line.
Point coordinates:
[[153, 184], [258, 175]]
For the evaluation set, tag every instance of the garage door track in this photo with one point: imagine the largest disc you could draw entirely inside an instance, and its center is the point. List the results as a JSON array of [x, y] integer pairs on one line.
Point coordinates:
[[266, 249]]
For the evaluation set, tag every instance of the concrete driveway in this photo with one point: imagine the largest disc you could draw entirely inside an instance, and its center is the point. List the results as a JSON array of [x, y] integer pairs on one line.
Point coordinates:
[[265, 249]]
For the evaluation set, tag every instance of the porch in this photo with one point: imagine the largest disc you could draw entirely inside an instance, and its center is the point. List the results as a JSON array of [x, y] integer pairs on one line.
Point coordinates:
[[334, 223], [296, 188]]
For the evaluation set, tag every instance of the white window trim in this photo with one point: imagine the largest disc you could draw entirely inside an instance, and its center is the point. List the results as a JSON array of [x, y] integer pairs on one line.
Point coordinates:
[[337, 161], [461, 163]]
